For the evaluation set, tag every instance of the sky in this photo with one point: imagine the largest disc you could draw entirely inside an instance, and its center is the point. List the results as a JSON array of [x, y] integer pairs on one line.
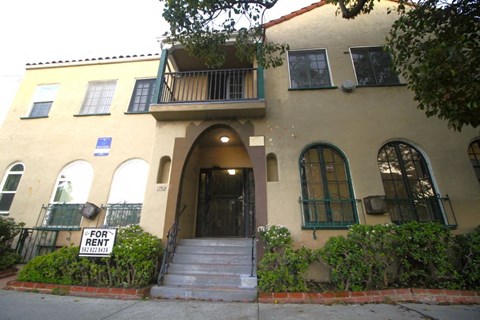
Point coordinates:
[[33, 31]]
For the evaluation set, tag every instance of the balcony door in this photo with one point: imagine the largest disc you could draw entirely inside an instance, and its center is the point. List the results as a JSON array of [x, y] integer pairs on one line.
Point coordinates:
[[225, 203]]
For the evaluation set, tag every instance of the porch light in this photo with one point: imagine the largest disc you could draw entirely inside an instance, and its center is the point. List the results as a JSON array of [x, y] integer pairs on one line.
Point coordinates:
[[232, 172], [224, 139]]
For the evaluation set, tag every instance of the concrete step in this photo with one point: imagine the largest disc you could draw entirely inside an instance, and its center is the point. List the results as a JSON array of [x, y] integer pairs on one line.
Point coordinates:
[[204, 293], [229, 242], [208, 280], [225, 269], [246, 250], [205, 258]]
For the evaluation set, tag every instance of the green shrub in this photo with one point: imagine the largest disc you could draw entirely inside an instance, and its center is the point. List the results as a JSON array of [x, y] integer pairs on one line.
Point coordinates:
[[466, 249], [423, 256], [134, 263], [282, 268], [9, 229], [363, 259]]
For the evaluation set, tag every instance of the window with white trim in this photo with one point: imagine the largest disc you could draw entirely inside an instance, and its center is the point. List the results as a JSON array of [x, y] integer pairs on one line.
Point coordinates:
[[126, 194], [9, 186], [309, 69], [98, 97], [43, 100], [373, 66]]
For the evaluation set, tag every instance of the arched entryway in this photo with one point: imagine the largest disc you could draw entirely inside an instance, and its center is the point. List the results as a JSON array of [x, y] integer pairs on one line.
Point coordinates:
[[221, 184]]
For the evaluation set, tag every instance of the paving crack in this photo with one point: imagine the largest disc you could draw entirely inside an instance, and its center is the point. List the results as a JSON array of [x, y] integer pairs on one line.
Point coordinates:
[[120, 310], [425, 316]]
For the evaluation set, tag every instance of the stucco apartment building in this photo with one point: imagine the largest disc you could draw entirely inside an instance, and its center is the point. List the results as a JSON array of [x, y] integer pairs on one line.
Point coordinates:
[[331, 138]]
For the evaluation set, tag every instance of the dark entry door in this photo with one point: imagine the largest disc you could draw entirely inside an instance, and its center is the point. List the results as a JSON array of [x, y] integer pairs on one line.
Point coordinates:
[[225, 206]]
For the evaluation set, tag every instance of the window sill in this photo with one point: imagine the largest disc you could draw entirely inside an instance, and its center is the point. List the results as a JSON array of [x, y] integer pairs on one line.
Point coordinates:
[[30, 118], [312, 88], [381, 85], [139, 112], [91, 114], [328, 226]]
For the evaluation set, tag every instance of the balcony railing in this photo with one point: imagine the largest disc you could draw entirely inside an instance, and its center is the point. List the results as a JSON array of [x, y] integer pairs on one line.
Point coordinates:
[[430, 209], [123, 214], [210, 86], [329, 213]]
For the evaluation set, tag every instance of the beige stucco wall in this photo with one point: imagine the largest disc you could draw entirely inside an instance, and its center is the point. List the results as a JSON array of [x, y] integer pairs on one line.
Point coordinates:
[[358, 123]]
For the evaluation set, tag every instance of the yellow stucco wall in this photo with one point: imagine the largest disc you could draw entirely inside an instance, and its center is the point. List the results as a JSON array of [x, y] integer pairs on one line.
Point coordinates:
[[357, 123], [46, 145]]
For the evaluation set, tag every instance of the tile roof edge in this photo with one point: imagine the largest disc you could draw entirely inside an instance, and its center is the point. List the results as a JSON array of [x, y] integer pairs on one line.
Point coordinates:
[[295, 14], [97, 60]]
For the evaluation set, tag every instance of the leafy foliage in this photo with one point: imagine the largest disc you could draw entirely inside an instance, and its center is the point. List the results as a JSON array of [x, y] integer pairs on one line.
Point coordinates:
[[436, 48], [134, 263], [205, 26], [9, 229], [282, 268], [466, 250]]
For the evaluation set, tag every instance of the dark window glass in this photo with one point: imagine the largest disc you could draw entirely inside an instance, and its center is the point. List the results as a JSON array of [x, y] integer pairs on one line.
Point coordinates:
[[9, 187], [309, 69], [474, 155], [373, 66], [41, 109], [327, 197], [142, 96], [409, 190]]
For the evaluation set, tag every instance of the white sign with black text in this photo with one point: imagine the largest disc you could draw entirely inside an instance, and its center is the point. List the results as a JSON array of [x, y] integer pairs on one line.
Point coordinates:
[[97, 242]]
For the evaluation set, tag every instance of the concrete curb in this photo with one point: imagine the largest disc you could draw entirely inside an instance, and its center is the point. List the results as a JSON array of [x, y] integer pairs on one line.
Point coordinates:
[[432, 296]]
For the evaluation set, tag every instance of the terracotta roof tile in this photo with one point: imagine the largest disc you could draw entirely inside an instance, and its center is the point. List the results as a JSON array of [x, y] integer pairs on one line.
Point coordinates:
[[93, 59], [295, 13]]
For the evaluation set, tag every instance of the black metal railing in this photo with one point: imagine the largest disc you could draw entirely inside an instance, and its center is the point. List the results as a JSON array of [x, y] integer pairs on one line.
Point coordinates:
[[329, 213], [33, 242], [122, 214], [61, 216], [210, 85], [428, 209], [171, 246]]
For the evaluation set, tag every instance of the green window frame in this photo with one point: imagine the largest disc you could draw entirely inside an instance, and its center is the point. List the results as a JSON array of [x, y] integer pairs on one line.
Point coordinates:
[[9, 188], [474, 155], [309, 69], [373, 66], [409, 189], [327, 195], [142, 96]]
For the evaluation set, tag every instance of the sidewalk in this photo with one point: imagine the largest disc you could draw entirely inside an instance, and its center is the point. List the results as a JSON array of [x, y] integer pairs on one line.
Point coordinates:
[[24, 305]]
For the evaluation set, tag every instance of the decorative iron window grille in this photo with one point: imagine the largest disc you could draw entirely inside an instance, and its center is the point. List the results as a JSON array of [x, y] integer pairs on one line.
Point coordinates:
[[63, 215], [123, 214]]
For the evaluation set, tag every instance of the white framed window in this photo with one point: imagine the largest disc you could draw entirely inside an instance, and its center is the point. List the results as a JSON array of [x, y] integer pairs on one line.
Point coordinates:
[[70, 195], [126, 194], [43, 100], [9, 186], [309, 69], [373, 66], [98, 97]]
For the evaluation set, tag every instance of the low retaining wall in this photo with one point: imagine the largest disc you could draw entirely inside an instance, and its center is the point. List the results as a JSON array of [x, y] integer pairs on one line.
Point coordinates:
[[433, 296], [93, 292]]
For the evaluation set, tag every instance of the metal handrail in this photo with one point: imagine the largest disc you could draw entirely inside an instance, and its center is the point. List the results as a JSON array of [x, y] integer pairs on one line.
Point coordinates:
[[209, 85], [171, 246]]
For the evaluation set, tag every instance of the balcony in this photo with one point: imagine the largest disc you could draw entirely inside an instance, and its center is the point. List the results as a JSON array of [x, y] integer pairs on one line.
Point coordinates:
[[197, 94]]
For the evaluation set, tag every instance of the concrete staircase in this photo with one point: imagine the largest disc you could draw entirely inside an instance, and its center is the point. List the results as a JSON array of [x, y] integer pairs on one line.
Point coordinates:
[[210, 269]]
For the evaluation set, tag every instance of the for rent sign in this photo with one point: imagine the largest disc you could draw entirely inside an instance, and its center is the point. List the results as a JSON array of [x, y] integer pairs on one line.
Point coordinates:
[[97, 242]]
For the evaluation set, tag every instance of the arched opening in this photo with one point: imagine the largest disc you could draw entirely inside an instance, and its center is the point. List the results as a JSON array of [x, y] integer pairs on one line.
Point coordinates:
[[217, 187]]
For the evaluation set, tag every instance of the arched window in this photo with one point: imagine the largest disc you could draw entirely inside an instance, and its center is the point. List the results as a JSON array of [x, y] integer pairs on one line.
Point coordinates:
[[474, 155], [409, 190], [127, 193], [70, 195], [327, 194], [9, 186]]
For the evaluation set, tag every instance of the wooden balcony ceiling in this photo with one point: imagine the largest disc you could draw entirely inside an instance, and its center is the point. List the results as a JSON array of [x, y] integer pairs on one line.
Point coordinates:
[[186, 62]]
